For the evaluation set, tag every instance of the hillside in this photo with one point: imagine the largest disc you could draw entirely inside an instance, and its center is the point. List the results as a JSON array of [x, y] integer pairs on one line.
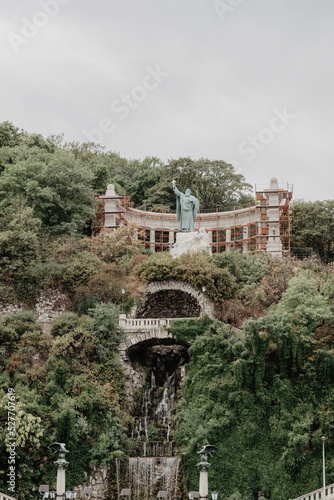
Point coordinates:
[[258, 377]]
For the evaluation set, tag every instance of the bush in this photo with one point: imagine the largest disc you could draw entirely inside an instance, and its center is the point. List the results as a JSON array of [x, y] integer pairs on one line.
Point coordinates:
[[193, 268], [105, 327], [104, 286], [197, 270], [13, 326], [159, 267], [64, 323], [247, 268], [80, 268]]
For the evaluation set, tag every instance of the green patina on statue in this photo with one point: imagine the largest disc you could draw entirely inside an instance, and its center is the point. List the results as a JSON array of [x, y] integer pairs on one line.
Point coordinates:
[[187, 207]]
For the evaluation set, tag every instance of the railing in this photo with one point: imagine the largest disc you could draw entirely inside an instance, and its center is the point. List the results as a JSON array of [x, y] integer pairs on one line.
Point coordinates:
[[317, 494], [3, 496], [135, 324]]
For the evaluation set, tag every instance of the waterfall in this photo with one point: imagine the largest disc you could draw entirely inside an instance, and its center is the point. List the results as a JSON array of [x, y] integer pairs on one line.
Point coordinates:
[[148, 475], [153, 466]]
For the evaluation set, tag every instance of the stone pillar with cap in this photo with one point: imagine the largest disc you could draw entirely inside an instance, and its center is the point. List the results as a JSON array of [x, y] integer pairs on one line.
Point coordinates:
[[203, 480], [111, 208], [61, 465], [203, 466], [274, 243], [61, 481]]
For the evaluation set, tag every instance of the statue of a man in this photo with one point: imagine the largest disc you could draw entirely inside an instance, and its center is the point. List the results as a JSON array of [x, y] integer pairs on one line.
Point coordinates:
[[187, 207]]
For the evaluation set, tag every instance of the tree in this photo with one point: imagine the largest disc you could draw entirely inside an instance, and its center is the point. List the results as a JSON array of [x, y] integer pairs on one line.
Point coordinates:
[[56, 186], [214, 182], [147, 174], [312, 226], [9, 135]]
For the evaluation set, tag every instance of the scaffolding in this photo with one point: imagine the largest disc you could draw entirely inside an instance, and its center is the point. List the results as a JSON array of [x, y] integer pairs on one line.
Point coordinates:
[[248, 229]]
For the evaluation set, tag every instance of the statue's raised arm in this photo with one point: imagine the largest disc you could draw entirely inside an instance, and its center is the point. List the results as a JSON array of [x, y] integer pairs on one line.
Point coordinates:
[[187, 207]]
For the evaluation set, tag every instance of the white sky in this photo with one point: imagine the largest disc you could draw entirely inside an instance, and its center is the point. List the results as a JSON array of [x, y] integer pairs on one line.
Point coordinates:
[[229, 70]]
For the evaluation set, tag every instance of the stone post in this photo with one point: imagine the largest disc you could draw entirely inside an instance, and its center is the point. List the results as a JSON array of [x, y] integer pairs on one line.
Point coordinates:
[[203, 480], [122, 320], [171, 238]]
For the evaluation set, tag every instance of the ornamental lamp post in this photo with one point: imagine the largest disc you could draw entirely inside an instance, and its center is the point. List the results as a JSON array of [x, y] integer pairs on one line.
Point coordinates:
[[214, 495], [203, 290], [123, 293], [323, 439]]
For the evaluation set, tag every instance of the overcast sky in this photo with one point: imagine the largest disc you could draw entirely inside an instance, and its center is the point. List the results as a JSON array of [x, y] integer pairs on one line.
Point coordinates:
[[250, 82]]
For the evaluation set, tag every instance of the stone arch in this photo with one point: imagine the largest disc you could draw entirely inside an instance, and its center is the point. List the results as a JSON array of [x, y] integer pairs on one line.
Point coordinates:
[[141, 341], [145, 339], [173, 299]]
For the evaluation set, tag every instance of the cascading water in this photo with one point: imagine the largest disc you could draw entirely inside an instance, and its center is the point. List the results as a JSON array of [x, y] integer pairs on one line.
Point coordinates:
[[154, 466]]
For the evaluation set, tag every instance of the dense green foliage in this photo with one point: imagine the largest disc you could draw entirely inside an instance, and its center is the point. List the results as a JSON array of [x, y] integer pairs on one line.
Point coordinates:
[[69, 387], [260, 377], [48, 189], [263, 397], [195, 269], [312, 228]]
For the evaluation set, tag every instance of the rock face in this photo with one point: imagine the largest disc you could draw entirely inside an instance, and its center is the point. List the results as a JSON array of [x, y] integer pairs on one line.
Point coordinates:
[[171, 304], [191, 242], [50, 303], [173, 299]]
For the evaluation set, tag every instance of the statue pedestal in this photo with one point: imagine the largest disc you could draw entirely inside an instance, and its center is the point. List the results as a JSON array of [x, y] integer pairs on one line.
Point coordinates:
[[203, 480], [191, 242]]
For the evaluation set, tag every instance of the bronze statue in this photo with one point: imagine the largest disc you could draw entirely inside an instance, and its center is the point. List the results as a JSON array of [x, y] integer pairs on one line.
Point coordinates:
[[187, 207]]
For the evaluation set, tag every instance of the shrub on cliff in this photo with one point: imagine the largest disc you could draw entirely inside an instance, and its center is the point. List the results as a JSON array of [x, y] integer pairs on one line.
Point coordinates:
[[193, 268], [79, 268]]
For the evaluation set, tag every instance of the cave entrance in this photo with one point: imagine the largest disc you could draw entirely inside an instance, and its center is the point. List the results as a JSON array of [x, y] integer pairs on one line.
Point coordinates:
[[169, 304]]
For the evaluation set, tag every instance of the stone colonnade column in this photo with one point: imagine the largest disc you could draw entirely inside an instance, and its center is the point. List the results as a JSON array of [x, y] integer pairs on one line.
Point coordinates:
[[152, 240], [228, 240], [245, 235]]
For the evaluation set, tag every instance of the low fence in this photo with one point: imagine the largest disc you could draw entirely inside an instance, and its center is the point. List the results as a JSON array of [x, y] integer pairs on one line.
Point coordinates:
[[318, 494]]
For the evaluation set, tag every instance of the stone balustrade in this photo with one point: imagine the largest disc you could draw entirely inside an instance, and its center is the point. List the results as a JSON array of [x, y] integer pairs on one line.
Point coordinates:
[[131, 325], [137, 324], [318, 494]]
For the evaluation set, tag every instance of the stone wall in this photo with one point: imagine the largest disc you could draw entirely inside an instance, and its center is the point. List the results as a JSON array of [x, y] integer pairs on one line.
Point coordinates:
[[49, 304], [9, 308], [98, 480]]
